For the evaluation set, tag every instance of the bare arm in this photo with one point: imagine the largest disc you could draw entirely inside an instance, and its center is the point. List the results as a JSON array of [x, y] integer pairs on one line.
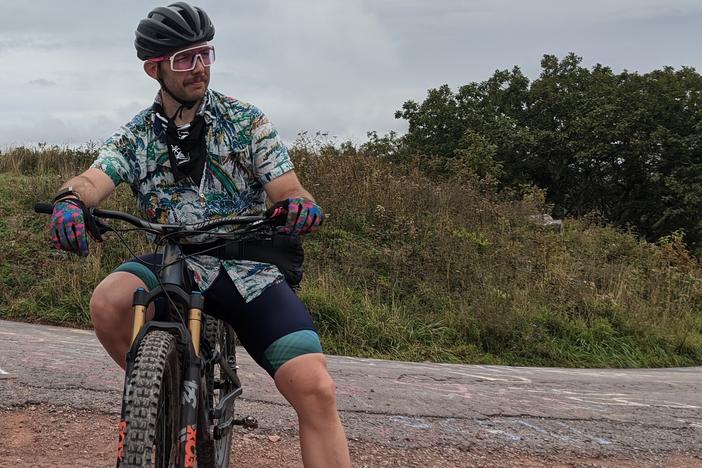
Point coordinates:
[[93, 186], [286, 186]]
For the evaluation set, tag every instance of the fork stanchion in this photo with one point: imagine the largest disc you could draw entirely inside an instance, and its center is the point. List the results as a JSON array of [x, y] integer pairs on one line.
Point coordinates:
[[139, 318], [139, 312], [194, 325], [197, 303]]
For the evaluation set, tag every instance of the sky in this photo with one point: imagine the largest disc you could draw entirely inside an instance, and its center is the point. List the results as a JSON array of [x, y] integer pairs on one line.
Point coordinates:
[[70, 75]]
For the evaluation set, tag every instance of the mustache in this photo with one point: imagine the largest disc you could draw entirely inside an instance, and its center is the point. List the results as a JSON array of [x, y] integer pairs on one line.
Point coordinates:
[[196, 79]]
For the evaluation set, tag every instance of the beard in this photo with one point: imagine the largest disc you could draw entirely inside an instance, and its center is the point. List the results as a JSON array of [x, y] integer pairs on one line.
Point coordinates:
[[192, 88]]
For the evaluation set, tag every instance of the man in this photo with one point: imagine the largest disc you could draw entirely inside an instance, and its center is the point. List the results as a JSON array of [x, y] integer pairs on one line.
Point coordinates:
[[196, 155]]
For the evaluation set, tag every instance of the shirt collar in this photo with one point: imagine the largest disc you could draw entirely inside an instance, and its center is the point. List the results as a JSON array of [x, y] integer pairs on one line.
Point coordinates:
[[203, 105]]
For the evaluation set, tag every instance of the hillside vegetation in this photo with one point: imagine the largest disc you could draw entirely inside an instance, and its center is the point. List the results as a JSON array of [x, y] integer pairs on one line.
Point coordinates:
[[625, 145], [408, 267]]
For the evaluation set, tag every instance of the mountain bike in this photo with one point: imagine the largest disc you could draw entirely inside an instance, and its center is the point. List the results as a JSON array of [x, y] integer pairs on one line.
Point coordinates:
[[181, 377]]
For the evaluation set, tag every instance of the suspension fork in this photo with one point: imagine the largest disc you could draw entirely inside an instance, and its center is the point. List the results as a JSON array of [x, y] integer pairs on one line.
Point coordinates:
[[191, 386], [197, 303], [194, 318], [139, 313], [139, 306]]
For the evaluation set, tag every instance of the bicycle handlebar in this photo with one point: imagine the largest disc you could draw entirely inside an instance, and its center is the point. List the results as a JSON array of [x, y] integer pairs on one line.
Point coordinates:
[[48, 208]]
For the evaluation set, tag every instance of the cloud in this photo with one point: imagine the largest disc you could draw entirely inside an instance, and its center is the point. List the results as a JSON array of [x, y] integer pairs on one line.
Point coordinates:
[[42, 82], [332, 65], [24, 42], [28, 128]]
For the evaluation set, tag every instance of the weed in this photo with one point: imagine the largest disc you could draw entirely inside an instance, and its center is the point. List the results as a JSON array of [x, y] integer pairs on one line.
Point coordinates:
[[408, 267]]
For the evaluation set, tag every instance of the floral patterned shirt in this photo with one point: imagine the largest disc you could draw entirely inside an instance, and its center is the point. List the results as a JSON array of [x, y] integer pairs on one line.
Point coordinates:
[[244, 152]]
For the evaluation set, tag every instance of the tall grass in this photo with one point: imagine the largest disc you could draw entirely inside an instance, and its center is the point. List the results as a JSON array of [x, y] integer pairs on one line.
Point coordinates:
[[407, 267], [38, 283]]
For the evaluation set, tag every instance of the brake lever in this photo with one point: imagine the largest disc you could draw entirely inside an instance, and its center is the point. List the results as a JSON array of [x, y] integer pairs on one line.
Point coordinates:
[[102, 226]]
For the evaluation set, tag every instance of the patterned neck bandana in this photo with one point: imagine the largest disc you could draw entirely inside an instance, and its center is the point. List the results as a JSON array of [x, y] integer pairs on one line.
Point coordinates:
[[186, 144]]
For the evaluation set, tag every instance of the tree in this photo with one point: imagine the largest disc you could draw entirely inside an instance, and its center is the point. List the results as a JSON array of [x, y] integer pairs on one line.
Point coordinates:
[[625, 145]]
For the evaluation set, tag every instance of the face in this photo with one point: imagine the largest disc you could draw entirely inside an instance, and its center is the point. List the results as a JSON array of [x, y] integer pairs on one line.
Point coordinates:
[[186, 85]]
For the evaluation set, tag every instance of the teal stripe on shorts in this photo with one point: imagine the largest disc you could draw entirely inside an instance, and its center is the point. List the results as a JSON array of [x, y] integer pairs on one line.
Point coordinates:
[[141, 271], [292, 345]]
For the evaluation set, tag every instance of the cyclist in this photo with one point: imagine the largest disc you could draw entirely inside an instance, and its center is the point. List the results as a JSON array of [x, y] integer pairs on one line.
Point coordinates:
[[194, 155]]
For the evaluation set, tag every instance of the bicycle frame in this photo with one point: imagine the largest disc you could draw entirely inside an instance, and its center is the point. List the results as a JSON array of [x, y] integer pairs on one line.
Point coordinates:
[[187, 335], [189, 339]]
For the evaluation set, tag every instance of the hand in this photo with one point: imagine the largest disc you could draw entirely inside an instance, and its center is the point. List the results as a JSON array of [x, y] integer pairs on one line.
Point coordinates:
[[302, 215], [68, 227]]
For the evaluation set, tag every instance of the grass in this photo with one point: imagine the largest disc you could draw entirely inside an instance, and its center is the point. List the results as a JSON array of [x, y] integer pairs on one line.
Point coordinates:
[[409, 268]]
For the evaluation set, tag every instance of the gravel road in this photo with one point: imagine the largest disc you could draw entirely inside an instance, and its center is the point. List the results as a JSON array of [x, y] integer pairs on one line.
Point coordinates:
[[395, 413]]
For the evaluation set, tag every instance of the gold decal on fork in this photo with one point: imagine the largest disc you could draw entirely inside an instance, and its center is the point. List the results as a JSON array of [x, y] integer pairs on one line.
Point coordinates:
[[139, 318], [194, 325]]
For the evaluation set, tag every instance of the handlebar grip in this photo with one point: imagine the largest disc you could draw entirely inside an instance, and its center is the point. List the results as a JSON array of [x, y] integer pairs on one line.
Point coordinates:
[[44, 207], [278, 213], [279, 221]]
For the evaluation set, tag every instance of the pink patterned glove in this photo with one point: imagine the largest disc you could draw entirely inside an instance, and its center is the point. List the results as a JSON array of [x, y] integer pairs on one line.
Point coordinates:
[[302, 215], [68, 227]]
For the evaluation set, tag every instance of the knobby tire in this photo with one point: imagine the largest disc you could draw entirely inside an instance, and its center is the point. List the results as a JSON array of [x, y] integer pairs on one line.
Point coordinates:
[[153, 403]]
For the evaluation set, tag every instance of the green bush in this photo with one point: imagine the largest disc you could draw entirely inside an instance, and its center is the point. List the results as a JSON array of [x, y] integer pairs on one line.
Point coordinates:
[[408, 267]]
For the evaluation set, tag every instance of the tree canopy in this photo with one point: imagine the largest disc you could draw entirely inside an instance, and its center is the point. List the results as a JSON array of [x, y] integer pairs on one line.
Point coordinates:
[[625, 145]]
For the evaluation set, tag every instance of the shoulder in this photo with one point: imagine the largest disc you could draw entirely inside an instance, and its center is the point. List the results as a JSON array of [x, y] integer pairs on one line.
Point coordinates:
[[240, 112], [143, 120], [134, 133]]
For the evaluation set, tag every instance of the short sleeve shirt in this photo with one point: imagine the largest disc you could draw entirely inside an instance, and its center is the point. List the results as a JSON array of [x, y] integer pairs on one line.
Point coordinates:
[[244, 152]]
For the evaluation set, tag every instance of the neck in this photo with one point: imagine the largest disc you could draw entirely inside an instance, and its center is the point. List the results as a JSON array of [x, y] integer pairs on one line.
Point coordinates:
[[171, 106]]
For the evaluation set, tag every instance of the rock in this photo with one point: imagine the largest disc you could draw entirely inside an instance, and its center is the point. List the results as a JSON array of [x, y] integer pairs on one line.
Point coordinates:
[[547, 221]]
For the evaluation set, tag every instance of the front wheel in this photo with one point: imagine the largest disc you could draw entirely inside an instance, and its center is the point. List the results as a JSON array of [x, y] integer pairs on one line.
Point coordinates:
[[152, 408]]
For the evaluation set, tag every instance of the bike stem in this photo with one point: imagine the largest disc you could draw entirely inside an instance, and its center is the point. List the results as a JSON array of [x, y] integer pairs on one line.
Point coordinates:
[[173, 269]]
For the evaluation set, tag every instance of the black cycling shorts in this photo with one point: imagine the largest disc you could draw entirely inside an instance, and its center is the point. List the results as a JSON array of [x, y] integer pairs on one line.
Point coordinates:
[[274, 327]]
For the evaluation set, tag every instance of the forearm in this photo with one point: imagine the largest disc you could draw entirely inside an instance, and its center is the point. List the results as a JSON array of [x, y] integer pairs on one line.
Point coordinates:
[[93, 186], [85, 189], [296, 193], [285, 187]]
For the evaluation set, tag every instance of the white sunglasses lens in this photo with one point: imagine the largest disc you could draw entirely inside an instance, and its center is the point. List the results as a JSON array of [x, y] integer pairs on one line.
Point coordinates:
[[186, 60]]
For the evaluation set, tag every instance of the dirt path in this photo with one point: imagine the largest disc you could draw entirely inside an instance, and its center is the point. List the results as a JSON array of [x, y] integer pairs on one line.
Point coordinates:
[[58, 384], [46, 436]]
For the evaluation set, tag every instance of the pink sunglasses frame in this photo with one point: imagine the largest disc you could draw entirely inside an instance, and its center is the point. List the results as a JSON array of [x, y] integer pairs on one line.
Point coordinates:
[[163, 58]]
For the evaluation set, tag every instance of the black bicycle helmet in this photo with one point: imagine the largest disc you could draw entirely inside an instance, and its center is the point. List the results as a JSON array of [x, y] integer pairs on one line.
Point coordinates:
[[166, 29]]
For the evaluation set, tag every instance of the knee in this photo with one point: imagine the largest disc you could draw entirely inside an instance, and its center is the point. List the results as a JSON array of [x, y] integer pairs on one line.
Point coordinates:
[[112, 300], [322, 391], [105, 308], [314, 392]]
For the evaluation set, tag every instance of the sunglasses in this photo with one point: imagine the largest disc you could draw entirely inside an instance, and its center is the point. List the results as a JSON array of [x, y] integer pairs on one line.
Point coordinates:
[[186, 60]]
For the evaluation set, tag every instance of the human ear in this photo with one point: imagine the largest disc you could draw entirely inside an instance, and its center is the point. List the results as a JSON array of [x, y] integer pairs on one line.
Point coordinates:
[[151, 69]]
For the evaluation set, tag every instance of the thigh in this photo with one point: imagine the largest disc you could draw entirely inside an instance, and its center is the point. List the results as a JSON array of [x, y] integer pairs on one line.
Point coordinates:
[[274, 327], [145, 269], [111, 303]]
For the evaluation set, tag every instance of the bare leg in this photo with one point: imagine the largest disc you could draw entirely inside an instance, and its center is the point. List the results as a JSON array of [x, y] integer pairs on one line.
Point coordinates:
[[305, 382], [111, 313]]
